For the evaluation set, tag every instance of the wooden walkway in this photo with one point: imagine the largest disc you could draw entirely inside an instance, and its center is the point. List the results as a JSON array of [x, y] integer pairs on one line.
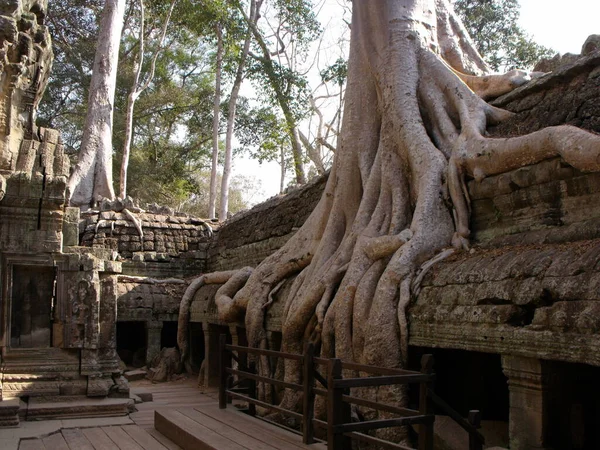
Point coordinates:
[[186, 418], [207, 427], [138, 436], [124, 437]]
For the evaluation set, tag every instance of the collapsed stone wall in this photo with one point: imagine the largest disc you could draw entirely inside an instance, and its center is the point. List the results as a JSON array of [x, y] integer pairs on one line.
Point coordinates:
[[155, 237], [149, 245]]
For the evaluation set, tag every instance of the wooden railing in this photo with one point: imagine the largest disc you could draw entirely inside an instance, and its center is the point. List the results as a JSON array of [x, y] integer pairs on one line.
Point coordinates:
[[335, 388]]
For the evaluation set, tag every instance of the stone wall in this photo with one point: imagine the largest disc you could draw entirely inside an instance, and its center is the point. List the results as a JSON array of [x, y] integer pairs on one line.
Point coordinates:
[[148, 301], [531, 285], [162, 237], [249, 237], [58, 301], [567, 96]]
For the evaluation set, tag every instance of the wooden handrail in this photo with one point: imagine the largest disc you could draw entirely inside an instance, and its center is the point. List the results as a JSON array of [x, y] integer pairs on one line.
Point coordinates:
[[464, 424], [375, 369], [383, 423], [403, 412], [264, 352], [251, 376], [379, 443], [385, 380], [265, 405], [339, 426]]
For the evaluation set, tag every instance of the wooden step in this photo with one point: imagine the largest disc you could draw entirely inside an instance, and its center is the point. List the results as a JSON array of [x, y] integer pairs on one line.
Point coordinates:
[[208, 428], [45, 408]]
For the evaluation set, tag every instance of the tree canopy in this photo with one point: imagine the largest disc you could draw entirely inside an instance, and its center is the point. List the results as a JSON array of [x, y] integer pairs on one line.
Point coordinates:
[[171, 122], [493, 25]]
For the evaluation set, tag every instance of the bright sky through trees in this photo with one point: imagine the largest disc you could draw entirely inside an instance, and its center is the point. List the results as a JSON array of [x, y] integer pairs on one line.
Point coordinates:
[[552, 23]]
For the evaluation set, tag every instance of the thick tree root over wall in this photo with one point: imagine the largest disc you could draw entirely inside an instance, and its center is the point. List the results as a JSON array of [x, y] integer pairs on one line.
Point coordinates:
[[396, 200]]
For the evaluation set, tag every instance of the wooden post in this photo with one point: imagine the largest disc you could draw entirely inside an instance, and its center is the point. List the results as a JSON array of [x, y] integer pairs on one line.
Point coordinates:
[[475, 420], [308, 398], [222, 372], [426, 430], [338, 412], [252, 388]]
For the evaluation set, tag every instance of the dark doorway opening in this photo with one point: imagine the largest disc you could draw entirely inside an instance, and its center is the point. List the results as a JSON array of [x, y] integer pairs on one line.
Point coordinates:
[[168, 335], [131, 343], [469, 381], [196, 342], [573, 407], [31, 306]]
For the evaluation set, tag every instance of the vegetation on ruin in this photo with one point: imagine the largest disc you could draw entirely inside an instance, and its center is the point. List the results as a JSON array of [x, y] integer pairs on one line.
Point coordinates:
[[413, 132]]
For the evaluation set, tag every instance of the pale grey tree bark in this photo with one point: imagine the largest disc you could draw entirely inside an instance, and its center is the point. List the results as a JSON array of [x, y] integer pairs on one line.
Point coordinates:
[[413, 129], [212, 197], [92, 177], [235, 91], [137, 89]]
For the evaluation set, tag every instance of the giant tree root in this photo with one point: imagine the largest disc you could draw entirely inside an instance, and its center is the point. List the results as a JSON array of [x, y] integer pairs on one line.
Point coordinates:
[[186, 301], [396, 196]]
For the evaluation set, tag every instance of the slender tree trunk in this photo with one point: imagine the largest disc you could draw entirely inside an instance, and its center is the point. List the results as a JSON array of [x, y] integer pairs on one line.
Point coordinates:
[[92, 178], [239, 76], [283, 104], [212, 199], [296, 150], [282, 167], [136, 91], [131, 99]]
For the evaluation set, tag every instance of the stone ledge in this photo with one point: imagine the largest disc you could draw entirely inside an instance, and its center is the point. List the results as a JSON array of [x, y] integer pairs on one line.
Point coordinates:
[[507, 340]]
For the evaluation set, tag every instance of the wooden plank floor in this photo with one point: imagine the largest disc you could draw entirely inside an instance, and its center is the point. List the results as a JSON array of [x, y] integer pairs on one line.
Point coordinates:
[[141, 436], [170, 395], [208, 427], [180, 402], [123, 437]]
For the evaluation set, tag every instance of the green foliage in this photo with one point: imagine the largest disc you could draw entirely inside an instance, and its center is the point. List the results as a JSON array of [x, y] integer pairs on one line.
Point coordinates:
[[493, 26], [74, 28], [173, 116], [336, 72], [261, 132]]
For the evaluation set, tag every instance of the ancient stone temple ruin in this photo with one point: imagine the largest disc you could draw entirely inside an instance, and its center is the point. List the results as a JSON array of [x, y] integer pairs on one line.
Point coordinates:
[[513, 324], [58, 301]]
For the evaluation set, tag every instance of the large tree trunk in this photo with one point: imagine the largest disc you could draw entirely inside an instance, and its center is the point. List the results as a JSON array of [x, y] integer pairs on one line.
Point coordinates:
[[395, 198], [92, 178]]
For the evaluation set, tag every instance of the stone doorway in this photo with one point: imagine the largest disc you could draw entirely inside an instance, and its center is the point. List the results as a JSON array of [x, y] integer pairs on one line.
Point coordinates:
[[31, 306], [131, 343], [470, 381], [572, 409], [168, 334], [197, 346]]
